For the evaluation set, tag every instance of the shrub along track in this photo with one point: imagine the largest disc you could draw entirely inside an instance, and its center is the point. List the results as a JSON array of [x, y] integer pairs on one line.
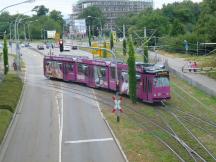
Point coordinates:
[[173, 127]]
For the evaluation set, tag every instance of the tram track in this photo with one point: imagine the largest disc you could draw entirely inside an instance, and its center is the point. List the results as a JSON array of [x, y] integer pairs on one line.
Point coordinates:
[[192, 114], [104, 101], [174, 135], [107, 101]]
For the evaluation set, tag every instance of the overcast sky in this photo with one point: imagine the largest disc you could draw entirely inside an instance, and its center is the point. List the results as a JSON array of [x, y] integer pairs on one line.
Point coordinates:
[[65, 6]]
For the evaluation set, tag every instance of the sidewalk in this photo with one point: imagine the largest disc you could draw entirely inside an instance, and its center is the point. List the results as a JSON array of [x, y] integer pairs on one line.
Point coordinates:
[[200, 81]]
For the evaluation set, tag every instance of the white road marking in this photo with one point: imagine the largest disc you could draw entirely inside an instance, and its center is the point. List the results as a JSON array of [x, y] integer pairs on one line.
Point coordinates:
[[96, 102], [89, 140], [59, 97]]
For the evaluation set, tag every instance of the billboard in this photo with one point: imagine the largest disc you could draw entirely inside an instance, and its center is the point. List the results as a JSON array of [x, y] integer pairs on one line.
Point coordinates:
[[51, 33], [80, 26]]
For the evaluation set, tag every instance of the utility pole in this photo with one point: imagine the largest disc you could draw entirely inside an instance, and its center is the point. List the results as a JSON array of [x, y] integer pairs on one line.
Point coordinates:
[[44, 36], [24, 31], [145, 48], [111, 24], [29, 37], [197, 48], [144, 32], [10, 42], [123, 31]]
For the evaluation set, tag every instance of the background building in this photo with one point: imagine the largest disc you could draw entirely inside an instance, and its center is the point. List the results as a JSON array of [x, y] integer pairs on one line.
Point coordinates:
[[112, 9]]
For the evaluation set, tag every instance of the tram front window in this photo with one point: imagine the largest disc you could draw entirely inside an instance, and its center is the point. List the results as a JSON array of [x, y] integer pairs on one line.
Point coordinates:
[[161, 82]]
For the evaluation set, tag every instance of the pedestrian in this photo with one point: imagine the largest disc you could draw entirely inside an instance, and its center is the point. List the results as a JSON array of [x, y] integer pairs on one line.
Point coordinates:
[[14, 66], [189, 66], [194, 66]]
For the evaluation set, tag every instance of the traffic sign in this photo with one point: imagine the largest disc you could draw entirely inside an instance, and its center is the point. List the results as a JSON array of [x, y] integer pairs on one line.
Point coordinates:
[[117, 107], [57, 37]]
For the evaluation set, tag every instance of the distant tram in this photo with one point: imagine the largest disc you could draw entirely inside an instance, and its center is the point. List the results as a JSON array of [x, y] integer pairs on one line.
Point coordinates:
[[152, 81]]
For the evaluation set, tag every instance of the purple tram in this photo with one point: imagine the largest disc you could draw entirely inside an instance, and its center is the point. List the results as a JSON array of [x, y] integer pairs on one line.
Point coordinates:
[[152, 81]]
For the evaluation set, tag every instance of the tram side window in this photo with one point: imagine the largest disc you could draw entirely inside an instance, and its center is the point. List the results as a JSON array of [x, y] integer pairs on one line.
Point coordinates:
[[161, 82], [138, 77], [113, 73], [83, 69], [60, 66], [149, 86], [48, 63], [145, 84], [101, 72], [69, 67]]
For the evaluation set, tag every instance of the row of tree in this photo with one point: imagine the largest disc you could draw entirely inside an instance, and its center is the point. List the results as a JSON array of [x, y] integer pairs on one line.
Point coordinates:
[[38, 23], [174, 23]]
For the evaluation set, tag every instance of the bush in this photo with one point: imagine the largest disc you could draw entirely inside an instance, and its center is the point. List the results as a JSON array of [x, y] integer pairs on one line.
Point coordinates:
[[176, 44]]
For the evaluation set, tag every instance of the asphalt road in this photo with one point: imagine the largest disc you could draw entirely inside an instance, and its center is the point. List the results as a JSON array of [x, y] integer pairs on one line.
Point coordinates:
[[53, 124]]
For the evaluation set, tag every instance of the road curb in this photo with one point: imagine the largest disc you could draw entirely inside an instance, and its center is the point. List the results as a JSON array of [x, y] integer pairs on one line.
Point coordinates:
[[116, 140], [111, 131], [192, 82], [3, 148]]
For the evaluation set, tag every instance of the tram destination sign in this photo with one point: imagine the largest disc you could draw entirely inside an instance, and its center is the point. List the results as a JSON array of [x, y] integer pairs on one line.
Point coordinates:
[[163, 73]]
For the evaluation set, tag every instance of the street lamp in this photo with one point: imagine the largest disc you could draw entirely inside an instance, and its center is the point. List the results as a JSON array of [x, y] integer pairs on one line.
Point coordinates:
[[29, 35], [19, 22], [100, 27], [27, 1]]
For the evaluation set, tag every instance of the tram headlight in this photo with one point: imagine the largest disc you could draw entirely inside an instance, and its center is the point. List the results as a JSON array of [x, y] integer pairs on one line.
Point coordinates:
[[155, 95]]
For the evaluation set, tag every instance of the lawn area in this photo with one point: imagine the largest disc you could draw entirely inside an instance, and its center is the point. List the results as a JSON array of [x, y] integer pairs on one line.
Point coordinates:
[[190, 113], [137, 134], [5, 118], [10, 90]]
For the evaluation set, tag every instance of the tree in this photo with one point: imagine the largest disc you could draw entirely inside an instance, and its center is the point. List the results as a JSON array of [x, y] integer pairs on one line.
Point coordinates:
[[56, 15], [94, 18], [131, 70], [207, 21], [5, 55], [111, 41], [145, 50], [177, 28], [124, 47], [41, 10], [44, 23]]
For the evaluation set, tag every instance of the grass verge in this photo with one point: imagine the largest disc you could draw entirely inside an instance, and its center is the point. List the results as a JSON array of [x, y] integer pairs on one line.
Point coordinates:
[[5, 118], [10, 90], [136, 133]]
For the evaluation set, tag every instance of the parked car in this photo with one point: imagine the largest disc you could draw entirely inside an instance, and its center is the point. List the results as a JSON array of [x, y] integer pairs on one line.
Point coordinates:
[[22, 45], [27, 45], [67, 47], [74, 46], [40, 47]]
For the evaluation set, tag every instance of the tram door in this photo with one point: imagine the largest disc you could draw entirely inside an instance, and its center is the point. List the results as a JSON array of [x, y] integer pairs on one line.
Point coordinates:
[[83, 73], [91, 81], [69, 71], [139, 86], [112, 79], [147, 88]]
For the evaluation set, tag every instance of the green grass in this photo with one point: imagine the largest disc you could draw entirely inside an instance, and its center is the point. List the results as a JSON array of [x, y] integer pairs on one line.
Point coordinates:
[[212, 75], [136, 133], [5, 117], [10, 89]]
